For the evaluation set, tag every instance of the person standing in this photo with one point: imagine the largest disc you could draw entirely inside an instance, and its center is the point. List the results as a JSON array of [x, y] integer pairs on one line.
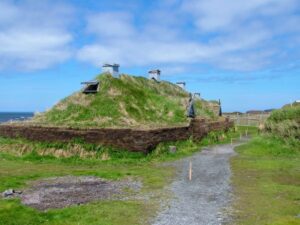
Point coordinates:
[[191, 109]]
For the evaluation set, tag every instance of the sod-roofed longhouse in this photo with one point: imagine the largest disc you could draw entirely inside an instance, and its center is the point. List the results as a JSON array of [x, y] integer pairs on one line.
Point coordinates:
[[125, 102]]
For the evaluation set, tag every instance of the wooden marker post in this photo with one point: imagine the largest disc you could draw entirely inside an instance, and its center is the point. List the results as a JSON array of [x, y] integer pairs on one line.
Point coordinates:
[[231, 141], [190, 171]]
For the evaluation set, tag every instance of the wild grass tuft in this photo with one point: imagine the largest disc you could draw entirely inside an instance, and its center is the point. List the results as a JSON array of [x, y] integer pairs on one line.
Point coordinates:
[[285, 123]]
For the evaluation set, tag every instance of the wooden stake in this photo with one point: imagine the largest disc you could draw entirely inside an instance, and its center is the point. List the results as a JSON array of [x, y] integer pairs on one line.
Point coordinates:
[[231, 141], [247, 133], [190, 171]]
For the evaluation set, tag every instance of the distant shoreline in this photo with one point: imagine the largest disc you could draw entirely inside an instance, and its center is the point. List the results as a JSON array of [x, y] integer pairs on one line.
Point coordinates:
[[15, 116]]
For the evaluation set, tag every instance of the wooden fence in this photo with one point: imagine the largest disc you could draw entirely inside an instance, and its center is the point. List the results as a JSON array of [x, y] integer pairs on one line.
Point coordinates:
[[248, 119]]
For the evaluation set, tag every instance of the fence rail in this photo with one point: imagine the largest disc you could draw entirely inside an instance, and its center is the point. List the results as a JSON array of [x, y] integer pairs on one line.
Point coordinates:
[[248, 119]]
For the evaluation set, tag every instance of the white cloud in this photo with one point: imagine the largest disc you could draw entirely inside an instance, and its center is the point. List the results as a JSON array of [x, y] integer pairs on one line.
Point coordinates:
[[139, 52], [156, 44], [34, 35], [112, 24], [219, 15], [227, 34], [174, 70], [8, 12], [97, 54]]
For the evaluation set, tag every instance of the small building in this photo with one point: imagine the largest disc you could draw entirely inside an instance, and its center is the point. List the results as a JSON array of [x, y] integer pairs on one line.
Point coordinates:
[[197, 95], [154, 74], [181, 84], [113, 69], [91, 87]]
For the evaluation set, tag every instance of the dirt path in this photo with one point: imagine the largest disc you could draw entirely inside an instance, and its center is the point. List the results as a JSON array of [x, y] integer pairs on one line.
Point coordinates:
[[202, 200]]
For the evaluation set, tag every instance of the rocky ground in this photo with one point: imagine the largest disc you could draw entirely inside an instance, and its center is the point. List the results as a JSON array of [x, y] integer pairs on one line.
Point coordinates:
[[204, 200], [60, 192]]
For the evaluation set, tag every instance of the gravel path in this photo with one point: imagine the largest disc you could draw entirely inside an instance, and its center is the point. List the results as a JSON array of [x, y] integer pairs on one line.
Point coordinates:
[[204, 199]]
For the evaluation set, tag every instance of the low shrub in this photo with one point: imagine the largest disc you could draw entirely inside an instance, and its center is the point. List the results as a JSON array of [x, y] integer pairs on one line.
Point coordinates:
[[285, 123]]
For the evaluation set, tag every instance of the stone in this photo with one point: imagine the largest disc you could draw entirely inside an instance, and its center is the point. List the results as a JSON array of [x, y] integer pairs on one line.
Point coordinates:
[[172, 149], [8, 192]]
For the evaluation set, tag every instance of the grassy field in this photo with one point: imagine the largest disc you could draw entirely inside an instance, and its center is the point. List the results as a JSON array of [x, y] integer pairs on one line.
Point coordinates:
[[124, 102], [266, 179], [16, 171], [22, 161]]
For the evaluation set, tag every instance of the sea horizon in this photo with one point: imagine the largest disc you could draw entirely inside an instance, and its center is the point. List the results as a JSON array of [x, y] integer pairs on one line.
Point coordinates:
[[15, 116]]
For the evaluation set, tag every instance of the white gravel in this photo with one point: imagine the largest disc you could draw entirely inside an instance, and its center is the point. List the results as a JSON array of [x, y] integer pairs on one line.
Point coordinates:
[[204, 199]]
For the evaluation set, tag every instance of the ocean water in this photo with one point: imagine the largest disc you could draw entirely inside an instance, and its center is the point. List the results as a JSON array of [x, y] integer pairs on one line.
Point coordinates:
[[17, 116]]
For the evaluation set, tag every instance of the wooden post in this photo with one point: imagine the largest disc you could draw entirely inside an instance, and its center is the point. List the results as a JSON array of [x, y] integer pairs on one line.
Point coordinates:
[[247, 119], [231, 141], [190, 171], [246, 132], [261, 118]]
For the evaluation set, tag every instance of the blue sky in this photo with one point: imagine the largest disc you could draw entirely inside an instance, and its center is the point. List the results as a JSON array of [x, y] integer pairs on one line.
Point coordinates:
[[247, 53]]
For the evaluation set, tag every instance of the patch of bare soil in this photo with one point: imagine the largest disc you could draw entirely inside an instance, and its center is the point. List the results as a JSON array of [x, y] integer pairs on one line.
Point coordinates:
[[60, 192]]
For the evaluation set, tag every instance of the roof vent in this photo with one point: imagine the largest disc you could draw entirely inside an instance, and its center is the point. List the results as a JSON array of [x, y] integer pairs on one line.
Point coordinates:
[[91, 87]]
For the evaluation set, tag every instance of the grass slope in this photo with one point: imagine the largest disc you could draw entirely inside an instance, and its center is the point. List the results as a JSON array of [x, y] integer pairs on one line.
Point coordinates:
[[125, 102]]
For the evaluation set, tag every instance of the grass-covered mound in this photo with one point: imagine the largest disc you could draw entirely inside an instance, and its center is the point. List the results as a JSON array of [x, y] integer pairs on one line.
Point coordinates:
[[124, 102], [285, 122]]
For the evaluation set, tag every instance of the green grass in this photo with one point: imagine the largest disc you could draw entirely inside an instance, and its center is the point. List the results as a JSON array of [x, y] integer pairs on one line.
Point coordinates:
[[188, 147], [125, 102], [105, 212], [78, 151], [266, 179], [286, 113], [285, 123], [15, 172], [17, 169]]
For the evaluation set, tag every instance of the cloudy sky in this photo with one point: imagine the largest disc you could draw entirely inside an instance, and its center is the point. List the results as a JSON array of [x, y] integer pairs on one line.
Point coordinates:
[[247, 53]]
